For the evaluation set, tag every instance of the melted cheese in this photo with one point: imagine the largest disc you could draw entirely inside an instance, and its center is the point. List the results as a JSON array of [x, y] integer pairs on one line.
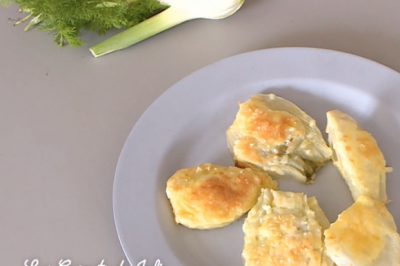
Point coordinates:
[[256, 120], [365, 234], [210, 196], [357, 156], [273, 134], [281, 229]]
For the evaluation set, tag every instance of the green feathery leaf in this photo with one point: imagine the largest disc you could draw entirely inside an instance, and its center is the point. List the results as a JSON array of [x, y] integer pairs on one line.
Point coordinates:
[[5, 3], [65, 19]]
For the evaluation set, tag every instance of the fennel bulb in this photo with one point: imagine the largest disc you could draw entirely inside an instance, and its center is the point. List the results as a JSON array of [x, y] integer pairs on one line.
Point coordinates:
[[178, 12]]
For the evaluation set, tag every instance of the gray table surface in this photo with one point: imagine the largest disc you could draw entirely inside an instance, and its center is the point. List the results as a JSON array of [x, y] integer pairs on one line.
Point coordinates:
[[64, 115]]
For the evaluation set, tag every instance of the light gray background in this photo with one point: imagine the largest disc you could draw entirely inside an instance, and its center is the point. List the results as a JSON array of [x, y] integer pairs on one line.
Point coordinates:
[[65, 115]]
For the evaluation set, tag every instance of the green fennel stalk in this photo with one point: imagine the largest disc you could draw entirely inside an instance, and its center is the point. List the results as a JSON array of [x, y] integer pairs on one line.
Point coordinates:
[[178, 12]]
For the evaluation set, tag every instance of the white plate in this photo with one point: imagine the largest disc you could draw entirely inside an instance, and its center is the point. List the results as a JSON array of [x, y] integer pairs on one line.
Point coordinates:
[[186, 126]]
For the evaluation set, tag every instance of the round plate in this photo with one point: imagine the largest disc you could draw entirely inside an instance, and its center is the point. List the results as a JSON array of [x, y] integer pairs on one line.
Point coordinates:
[[186, 126]]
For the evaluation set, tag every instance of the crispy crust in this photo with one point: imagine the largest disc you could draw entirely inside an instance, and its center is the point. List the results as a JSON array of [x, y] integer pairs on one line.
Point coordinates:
[[210, 196], [274, 135], [282, 229], [364, 234], [357, 156]]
